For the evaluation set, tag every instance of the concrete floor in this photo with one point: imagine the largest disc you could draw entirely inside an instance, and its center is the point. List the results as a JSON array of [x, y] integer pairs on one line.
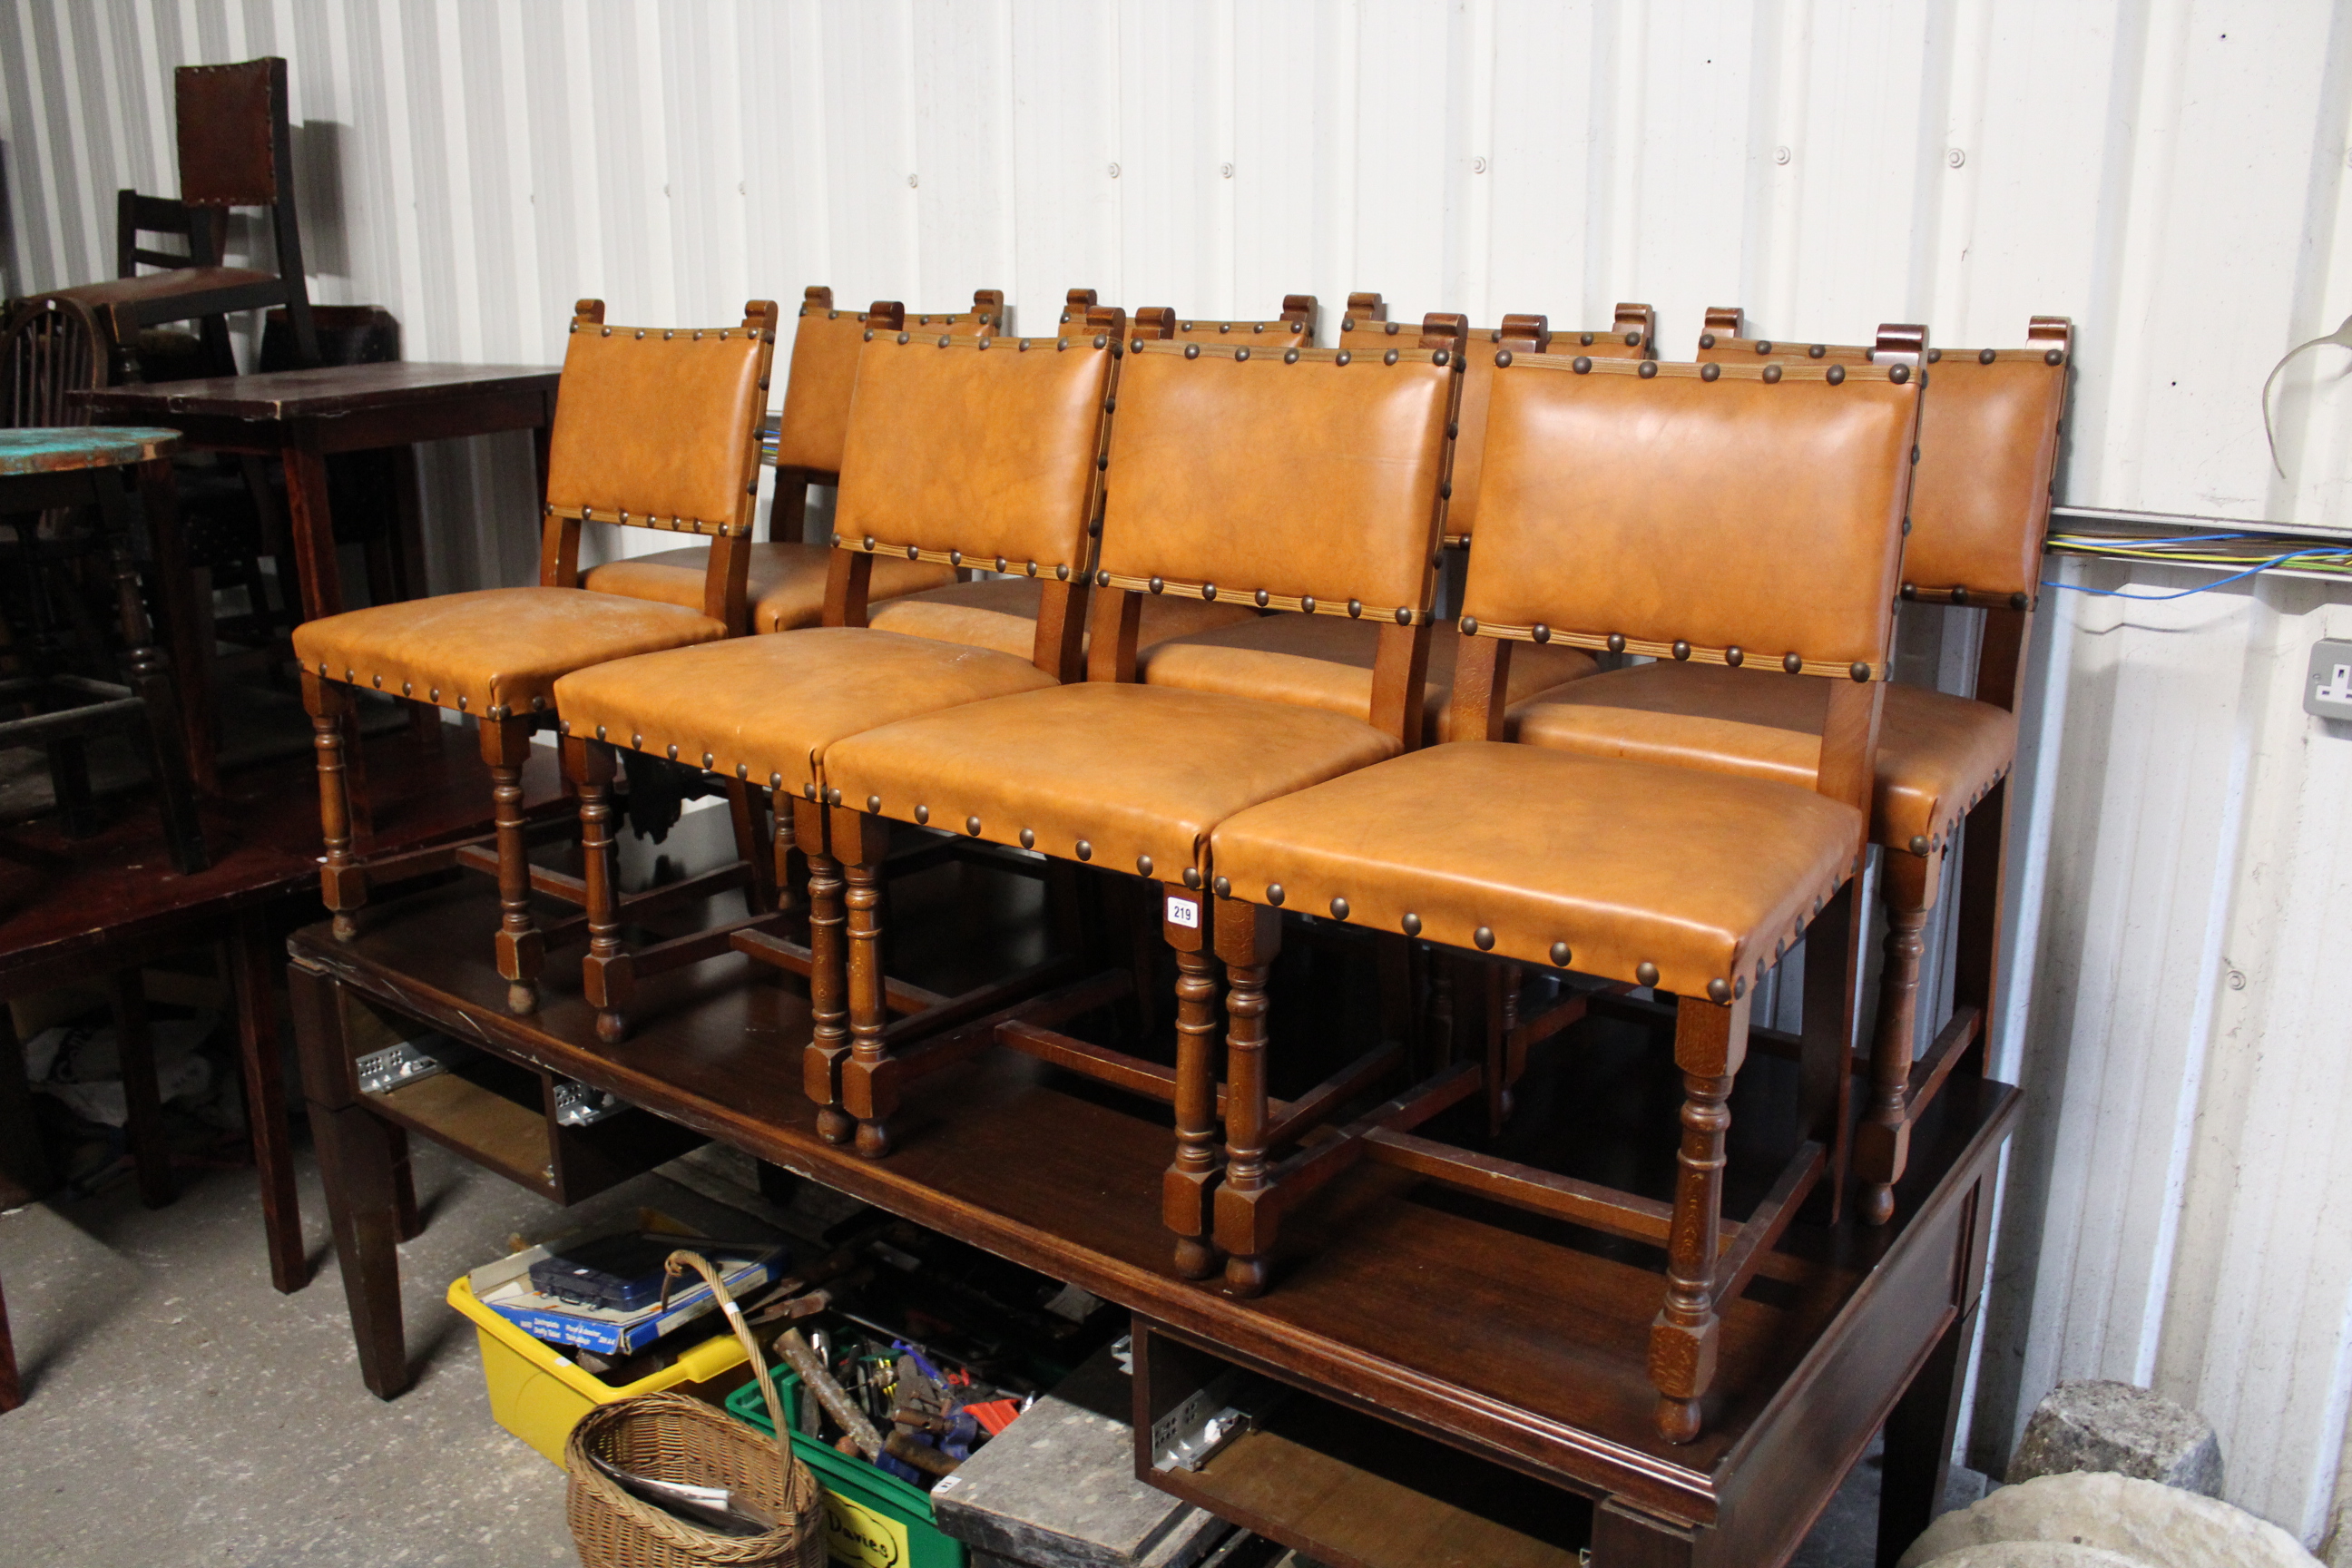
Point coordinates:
[[180, 1411]]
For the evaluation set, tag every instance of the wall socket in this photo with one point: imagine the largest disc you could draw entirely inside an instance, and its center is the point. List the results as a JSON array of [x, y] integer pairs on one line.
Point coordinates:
[[2327, 689]]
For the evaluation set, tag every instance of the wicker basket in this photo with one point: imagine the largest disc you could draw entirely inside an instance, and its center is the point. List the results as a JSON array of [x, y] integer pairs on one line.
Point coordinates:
[[671, 1438]]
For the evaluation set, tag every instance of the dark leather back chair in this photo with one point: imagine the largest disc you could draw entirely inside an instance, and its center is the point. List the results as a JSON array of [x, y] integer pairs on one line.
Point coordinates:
[[237, 149]]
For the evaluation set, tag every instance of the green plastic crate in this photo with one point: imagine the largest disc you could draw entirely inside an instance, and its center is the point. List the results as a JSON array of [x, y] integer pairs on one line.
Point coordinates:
[[872, 1519]]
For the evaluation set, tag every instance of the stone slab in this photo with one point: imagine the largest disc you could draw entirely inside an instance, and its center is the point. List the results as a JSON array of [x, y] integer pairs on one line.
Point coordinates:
[[2096, 1425], [2036, 1554], [2155, 1525], [1057, 1489]]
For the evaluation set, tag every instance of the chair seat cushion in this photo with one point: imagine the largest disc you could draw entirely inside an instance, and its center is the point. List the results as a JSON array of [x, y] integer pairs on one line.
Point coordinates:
[[1129, 778], [1002, 612], [1324, 661], [167, 285], [767, 707], [1705, 875], [1937, 754], [496, 650], [786, 581]]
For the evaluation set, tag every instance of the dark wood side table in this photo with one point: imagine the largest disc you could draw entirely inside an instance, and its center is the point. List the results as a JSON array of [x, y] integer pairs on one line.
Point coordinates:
[[1506, 1349], [301, 417], [74, 911]]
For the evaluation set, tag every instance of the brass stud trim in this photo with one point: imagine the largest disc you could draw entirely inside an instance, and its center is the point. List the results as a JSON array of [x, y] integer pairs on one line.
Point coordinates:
[[1085, 850], [1560, 956], [1274, 894], [1485, 937], [1308, 604], [1225, 886], [1028, 839], [1411, 924], [1193, 878], [1646, 973], [1338, 908], [922, 817], [971, 826], [1618, 642], [1143, 865]]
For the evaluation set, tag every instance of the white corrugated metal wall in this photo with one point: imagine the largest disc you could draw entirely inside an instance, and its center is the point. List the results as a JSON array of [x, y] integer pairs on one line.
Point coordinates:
[[2170, 174]]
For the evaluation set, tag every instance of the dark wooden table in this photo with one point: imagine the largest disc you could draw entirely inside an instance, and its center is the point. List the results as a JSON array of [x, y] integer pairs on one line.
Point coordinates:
[[77, 910], [1485, 1331], [302, 417]]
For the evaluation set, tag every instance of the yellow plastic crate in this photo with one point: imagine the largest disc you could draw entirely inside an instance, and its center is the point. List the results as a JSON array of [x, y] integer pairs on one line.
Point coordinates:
[[539, 1394]]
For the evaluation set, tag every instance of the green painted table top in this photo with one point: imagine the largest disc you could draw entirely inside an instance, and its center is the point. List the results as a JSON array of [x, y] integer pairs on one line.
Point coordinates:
[[61, 450]]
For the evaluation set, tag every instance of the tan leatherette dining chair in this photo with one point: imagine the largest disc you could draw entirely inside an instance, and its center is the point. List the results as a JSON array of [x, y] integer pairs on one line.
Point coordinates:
[[654, 428], [785, 587], [958, 447], [1734, 515], [1988, 450], [1299, 478]]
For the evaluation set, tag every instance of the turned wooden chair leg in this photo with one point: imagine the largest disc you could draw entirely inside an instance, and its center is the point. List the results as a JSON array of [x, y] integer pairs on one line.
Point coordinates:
[[1883, 1141], [506, 746], [869, 1078], [828, 1044], [1709, 1041], [342, 882], [1191, 1175], [1248, 937], [608, 975]]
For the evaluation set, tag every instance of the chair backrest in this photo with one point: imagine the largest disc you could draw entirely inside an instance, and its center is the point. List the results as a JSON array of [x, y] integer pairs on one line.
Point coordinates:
[[1295, 327], [1988, 450], [235, 135], [980, 451], [1288, 478], [48, 347], [1721, 513], [826, 342], [1634, 335], [659, 427], [205, 230]]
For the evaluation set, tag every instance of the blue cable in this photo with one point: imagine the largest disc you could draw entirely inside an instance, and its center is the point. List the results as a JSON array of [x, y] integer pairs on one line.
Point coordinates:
[[2184, 592]]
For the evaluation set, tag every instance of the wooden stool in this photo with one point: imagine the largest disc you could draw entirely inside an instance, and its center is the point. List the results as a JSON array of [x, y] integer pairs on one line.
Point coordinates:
[[655, 427], [1989, 446], [1694, 512]]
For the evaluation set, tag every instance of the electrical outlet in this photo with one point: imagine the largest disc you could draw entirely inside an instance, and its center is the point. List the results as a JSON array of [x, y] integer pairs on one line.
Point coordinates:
[[2327, 689]]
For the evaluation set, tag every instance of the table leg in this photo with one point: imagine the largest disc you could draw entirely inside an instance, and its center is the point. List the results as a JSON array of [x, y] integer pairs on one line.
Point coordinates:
[[404, 1183], [150, 1151], [356, 1165], [355, 1158], [408, 560], [1919, 1431], [11, 1388], [22, 1154], [191, 661], [314, 526], [251, 964]]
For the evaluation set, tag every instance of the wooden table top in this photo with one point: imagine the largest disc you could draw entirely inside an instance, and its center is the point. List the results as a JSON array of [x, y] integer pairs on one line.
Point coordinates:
[[113, 898], [63, 449], [1458, 1317], [325, 392]]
